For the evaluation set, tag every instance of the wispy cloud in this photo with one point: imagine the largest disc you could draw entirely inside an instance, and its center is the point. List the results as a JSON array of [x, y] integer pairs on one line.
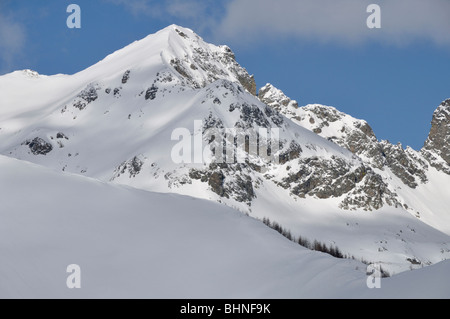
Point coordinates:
[[198, 14], [165, 9], [141, 7], [339, 21], [12, 42], [188, 9], [342, 21]]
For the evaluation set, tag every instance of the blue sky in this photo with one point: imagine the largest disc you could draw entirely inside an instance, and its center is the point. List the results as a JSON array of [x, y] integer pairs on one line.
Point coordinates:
[[316, 51]]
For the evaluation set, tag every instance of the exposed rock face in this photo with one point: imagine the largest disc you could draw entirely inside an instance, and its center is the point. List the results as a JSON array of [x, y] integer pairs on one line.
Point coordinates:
[[248, 82], [200, 67], [87, 96], [126, 77], [228, 181], [405, 164], [31, 73], [363, 188], [322, 178], [371, 194], [357, 184], [150, 94], [276, 99], [342, 129], [292, 153], [132, 167], [360, 186], [437, 146], [60, 135], [353, 134], [216, 181], [39, 146]]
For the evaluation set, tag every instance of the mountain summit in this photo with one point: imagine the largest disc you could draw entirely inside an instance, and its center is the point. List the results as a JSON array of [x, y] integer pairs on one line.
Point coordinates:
[[437, 146], [197, 62], [125, 118]]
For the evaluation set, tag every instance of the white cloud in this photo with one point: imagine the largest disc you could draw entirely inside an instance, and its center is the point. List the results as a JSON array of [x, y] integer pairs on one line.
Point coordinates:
[[200, 15], [185, 9], [337, 20], [12, 42], [140, 7], [188, 9], [341, 21]]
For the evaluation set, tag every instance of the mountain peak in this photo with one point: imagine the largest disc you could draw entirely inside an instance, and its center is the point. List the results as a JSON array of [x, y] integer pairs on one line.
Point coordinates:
[[276, 99], [438, 142], [201, 63], [182, 52], [443, 111], [174, 28]]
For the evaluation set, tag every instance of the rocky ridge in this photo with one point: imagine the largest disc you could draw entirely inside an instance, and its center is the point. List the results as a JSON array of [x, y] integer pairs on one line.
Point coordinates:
[[356, 135], [437, 147]]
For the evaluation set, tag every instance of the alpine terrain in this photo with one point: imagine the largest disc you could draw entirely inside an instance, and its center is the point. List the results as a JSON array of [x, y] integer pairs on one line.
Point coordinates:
[[125, 168]]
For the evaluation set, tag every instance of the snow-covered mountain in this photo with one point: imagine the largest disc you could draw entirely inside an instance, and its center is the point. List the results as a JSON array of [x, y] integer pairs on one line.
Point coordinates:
[[120, 121], [418, 176]]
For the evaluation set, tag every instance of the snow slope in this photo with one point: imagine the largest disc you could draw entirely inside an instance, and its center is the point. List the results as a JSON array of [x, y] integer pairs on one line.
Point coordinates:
[[114, 121], [131, 243]]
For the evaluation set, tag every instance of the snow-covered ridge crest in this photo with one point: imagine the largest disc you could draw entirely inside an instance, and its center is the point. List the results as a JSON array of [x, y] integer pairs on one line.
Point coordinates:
[[407, 171], [196, 62], [30, 73], [201, 63], [276, 99]]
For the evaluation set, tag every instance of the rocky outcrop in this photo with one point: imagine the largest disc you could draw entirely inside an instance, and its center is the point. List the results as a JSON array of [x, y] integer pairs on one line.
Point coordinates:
[[228, 181], [437, 146], [126, 77], [38, 146], [405, 164], [355, 135], [370, 194], [322, 178], [325, 179], [358, 137], [276, 99], [342, 129], [200, 67], [247, 81], [150, 94], [133, 167], [87, 96]]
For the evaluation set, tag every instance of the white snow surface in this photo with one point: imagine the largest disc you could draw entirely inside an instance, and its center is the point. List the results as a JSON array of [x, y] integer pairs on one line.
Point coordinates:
[[131, 243]]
